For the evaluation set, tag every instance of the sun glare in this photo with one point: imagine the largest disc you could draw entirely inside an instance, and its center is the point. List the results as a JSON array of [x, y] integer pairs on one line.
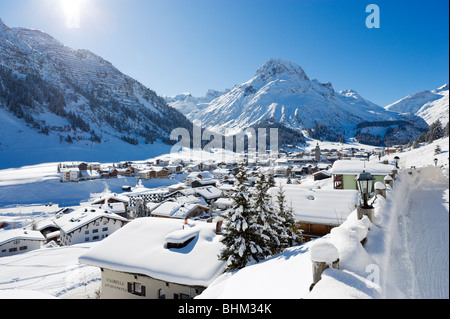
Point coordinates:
[[72, 10]]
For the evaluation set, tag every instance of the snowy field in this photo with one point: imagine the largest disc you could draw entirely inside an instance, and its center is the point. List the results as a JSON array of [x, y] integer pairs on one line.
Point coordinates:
[[52, 271]]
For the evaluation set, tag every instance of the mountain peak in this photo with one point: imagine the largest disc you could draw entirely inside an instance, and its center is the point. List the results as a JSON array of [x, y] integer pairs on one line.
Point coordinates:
[[443, 88], [278, 67]]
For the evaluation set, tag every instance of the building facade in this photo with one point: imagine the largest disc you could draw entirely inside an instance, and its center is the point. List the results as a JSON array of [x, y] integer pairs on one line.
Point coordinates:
[[18, 241]]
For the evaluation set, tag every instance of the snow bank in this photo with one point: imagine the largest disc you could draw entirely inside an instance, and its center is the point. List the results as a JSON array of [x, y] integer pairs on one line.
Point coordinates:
[[324, 251]]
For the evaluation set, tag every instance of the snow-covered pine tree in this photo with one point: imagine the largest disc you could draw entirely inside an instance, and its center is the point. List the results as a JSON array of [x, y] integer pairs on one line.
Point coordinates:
[[272, 224], [271, 181], [241, 235], [293, 233]]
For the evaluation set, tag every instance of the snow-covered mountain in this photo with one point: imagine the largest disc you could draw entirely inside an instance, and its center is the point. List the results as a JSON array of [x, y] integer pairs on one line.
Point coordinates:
[[74, 96], [430, 105], [281, 91]]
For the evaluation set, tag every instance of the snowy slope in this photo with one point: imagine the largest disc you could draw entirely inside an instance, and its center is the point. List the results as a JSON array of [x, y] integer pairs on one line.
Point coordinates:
[[52, 271], [430, 105], [57, 103], [20, 146], [282, 91]]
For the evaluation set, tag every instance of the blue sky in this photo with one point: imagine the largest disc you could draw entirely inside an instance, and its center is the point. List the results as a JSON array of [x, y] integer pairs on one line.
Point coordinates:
[[176, 46]]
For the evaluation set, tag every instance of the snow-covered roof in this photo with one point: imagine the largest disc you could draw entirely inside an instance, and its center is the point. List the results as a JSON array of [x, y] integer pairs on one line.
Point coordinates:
[[175, 209], [139, 248], [14, 234], [225, 201], [353, 167], [320, 206], [108, 197], [208, 192], [82, 217]]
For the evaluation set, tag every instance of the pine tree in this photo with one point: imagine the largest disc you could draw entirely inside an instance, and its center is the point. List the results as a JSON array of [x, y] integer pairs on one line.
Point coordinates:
[[268, 219], [271, 181], [437, 150], [292, 231], [435, 132], [241, 235]]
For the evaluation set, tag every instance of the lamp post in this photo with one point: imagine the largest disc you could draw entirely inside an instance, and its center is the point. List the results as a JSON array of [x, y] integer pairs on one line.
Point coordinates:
[[435, 162], [364, 181], [396, 160]]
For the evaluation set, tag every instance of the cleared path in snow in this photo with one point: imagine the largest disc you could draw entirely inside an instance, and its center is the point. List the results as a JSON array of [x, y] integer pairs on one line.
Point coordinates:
[[420, 255]]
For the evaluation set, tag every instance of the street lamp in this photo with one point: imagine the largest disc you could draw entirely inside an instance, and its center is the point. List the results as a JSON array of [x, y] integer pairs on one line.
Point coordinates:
[[396, 159], [364, 182], [435, 162]]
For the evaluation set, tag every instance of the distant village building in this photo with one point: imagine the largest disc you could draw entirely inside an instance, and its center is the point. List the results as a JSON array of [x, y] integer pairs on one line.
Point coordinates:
[[317, 153], [69, 174], [18, 241], [155, 258]]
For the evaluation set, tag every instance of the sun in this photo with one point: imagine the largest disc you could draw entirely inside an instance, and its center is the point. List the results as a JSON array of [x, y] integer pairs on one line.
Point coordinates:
[[72, 10]]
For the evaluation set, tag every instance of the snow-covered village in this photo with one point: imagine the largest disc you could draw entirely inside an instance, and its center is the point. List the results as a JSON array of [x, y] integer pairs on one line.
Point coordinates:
[[278, 188]]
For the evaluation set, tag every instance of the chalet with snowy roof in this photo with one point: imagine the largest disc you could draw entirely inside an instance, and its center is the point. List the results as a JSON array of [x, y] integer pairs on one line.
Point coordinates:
[[209, 193], [203, 182], [88, 224], [156, 258], [344, 172], [88, 175], [221, 173], [194, 176], [282, 170], [224, 203], [109, 173], [18, 241], [318, 211], [127, 171], [320, 175], [177, 210], [174, 168], [113, 203], [69, 174], [46, 226]]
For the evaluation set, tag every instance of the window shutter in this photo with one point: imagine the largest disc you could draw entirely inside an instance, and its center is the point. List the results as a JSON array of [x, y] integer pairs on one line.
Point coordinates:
[[143, 291], [130, 287]]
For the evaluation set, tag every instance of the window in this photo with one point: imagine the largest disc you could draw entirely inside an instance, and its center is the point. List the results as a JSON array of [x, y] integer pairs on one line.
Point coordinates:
[[95, 231], [161, 294], [105, 229], [86, 239], [23, 248], [12, 250], [86, 232], [136, 288], [95, 238]]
